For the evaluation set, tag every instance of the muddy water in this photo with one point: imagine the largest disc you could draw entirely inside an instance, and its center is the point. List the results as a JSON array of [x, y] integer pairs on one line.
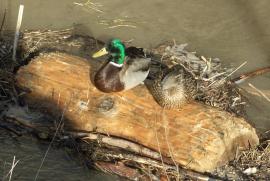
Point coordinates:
[[235, 31], [58, 164]]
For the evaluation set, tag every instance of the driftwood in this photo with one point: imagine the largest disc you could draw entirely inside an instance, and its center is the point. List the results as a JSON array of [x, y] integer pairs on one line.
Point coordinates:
[[111, 154], [197, 137]]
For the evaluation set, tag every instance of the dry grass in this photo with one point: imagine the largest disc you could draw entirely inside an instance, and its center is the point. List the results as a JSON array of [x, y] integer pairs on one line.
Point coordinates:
[[256, 159], [7, 90], [90, 6], [116, 23], [214, 85], [8, 93], [5, 54], [8, 176], [104, 18], [260, 92]]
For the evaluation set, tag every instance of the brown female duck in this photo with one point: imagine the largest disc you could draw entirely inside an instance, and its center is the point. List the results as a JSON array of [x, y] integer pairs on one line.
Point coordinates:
[[174, 87]]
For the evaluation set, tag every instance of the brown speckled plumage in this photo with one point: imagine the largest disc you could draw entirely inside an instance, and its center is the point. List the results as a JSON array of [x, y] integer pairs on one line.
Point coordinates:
[[174, 88]]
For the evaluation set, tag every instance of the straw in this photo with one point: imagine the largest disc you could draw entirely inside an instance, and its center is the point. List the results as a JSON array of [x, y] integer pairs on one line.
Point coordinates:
[[17, 32]]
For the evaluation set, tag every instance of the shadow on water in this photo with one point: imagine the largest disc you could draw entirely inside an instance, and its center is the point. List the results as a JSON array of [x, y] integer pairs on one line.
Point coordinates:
[[58, 164]]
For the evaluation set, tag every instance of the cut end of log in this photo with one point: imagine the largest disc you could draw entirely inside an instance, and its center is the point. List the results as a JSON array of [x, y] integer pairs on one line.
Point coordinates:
[[197, 136]]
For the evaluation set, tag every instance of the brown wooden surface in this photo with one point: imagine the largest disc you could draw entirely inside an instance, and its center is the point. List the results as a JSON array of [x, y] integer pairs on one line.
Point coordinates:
[[197, 136]]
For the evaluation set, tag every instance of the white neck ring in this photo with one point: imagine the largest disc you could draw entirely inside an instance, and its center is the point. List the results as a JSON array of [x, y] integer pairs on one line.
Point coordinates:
[[116, 64]]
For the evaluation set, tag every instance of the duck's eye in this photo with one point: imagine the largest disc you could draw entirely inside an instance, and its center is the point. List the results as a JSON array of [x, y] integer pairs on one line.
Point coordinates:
[[115, 50], [115, 54]]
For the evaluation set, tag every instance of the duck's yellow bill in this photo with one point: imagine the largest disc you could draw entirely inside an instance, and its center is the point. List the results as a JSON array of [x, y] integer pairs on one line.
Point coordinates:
[[100, 53]]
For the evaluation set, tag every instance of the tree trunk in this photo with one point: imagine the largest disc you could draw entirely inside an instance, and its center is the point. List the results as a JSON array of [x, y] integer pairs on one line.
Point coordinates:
[[198, 137]]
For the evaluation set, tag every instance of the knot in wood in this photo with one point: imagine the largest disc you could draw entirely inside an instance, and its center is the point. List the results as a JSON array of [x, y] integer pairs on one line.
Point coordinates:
[[106, 105]]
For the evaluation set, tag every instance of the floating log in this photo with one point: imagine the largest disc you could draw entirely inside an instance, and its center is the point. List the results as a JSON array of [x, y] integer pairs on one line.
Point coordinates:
[[197, 136]]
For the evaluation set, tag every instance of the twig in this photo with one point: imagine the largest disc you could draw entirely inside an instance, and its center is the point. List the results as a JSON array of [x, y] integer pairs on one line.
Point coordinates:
[[214, 76], [140, 159], [171, 154], [116, 26], [17, 32], [161, 158], [259, 91], [157, 164], [11, 130], [248, 75], [90, 5], [14, 163], [240, 66], [227, 75], [50, 145], [3, 21], [118, 142], [207, 69]]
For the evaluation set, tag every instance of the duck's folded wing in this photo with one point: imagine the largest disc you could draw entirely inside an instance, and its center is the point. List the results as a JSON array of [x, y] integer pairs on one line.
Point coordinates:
[[135, 72]]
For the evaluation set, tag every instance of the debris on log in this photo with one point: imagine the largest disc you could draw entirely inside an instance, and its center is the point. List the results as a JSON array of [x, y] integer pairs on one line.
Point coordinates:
[[197, 136]]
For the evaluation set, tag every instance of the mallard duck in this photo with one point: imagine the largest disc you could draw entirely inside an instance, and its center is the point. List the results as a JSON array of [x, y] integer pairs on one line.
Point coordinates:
[[125, 68], [174, 87]]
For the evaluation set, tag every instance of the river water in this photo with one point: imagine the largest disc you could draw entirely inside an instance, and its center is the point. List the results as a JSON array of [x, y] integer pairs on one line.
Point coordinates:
[[234, 31], [58, 164]]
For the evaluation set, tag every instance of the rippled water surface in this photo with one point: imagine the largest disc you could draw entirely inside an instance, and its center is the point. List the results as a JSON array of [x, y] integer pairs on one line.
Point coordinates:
[[234, 31], [58, 164]]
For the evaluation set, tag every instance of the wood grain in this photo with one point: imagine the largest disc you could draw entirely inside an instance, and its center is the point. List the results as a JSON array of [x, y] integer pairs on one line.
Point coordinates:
[[197, 136]]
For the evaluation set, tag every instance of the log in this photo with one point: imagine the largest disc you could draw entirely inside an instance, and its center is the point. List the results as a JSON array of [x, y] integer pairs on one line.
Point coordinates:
[[197, 136]]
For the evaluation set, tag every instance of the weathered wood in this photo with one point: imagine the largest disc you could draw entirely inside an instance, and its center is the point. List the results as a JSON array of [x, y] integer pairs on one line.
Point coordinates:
[[197, 136]]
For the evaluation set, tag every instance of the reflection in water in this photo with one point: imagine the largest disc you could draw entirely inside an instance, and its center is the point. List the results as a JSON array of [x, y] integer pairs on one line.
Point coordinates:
[[234, 31]]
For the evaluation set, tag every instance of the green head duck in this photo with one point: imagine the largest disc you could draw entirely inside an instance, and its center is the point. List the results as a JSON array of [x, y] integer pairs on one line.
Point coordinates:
[[115, 75], [116, 49]]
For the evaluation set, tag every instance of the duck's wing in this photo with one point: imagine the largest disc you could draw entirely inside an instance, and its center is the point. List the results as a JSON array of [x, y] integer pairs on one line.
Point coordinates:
[[134, 52], [135, 72], [174, 87], [171, 80]]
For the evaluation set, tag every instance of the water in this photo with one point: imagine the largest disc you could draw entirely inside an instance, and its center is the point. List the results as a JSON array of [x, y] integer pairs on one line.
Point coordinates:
[[234, 31], [58, 165]]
